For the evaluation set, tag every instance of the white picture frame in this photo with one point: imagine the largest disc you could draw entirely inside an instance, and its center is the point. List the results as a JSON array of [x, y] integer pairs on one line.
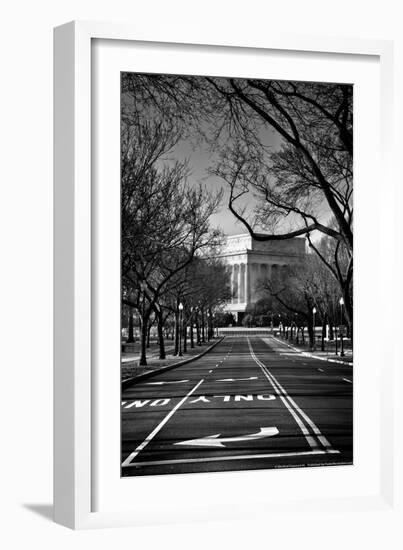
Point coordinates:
[[77, 472]]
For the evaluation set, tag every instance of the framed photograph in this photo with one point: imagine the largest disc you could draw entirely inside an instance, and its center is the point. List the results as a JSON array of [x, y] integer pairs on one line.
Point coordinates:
[[208, 198]]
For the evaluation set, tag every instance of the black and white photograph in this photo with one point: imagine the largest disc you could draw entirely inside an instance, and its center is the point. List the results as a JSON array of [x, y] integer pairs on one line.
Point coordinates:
[[236, 274]]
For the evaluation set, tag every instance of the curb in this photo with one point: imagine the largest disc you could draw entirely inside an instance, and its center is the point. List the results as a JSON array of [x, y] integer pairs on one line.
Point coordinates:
[[306, 354], [137, 357], [135, 379]]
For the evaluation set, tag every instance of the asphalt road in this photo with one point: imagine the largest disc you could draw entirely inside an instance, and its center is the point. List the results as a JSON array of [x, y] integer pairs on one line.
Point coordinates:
[[250, 403]]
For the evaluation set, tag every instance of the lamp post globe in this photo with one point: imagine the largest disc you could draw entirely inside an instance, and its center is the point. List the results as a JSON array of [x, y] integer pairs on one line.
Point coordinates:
[[143, 357]]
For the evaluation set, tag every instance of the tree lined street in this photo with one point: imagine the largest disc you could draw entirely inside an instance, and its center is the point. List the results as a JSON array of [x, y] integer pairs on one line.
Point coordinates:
[[203, 159], [250, 403]]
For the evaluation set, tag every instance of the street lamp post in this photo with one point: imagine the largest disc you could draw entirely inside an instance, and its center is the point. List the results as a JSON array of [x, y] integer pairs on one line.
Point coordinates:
[[180, 307], [313, 322], [191, 328], [143, 358], [336, 338], [341, 302]]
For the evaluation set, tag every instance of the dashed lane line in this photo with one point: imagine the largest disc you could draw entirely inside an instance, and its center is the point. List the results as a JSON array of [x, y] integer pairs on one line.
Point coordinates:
[[347, 380]]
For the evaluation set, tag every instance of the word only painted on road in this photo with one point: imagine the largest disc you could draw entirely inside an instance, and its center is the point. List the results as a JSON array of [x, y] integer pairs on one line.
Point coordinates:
[[139, 403]]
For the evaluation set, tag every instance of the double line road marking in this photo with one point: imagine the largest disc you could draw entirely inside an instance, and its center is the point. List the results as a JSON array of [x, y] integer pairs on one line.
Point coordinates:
[[317, 440]]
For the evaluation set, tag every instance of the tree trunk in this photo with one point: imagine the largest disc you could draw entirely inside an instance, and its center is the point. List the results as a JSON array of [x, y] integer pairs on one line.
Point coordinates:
[[192, 344], [130, 338], [143, 356], [203, 339], [184, 333], [348, 311], [149, 325], [160, 329], [197, 330]]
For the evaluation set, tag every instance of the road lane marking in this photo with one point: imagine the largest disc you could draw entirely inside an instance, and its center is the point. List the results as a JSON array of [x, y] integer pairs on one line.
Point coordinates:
[[210, 371], [160, 402], [324, 441], [167, 382], [201, 398], [321, 370], [244, 398], [228, 458], [237, 379], [138, 403], [294, 407], [311, 441], [347, 380], [160, 425], [304, 353], [217, 441]]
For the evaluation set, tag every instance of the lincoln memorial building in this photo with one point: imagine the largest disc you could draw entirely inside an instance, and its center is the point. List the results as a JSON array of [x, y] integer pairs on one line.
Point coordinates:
[[252, 262]]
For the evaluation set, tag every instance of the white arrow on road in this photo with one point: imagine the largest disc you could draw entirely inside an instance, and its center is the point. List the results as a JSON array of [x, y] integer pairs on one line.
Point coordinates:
[[236, 379], [216, 441], [170, 382]]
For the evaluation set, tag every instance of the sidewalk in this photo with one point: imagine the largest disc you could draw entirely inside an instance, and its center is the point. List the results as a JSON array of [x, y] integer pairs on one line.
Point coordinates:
[[152, 352], [328, 355], [130, 367]]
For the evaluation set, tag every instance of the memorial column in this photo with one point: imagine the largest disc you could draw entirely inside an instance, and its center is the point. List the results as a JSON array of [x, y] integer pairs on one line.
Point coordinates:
[[239, 283]]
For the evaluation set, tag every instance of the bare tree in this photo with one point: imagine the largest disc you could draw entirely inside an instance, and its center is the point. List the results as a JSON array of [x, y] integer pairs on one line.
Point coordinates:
[[303, 186], [165, 221]]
